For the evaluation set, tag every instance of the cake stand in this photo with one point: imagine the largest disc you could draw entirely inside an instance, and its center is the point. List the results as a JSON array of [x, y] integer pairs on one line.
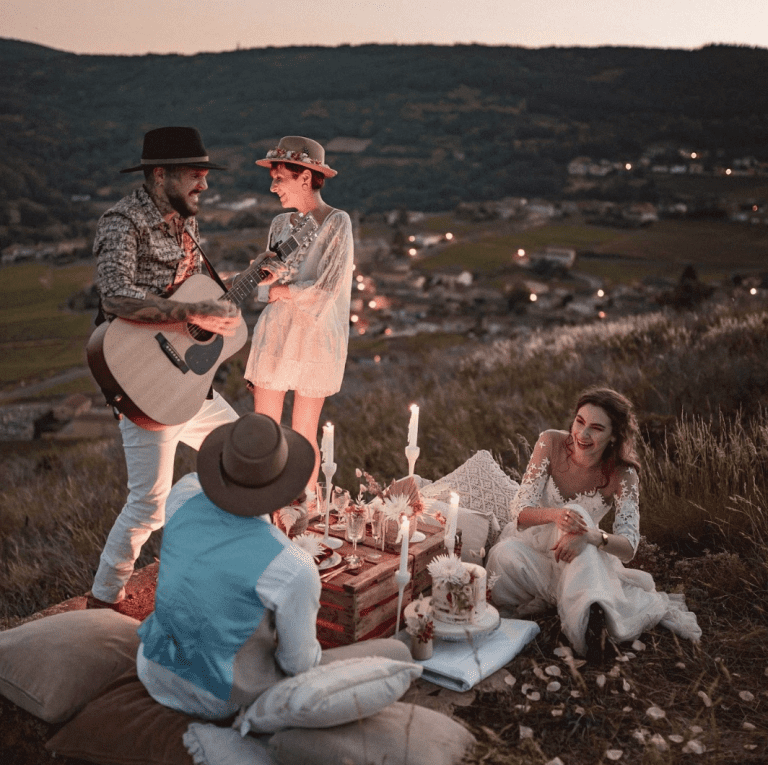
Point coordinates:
[[488, 622]]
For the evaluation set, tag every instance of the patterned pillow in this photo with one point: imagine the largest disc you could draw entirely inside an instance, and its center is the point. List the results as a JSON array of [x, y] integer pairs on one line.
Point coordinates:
[[482, 486]]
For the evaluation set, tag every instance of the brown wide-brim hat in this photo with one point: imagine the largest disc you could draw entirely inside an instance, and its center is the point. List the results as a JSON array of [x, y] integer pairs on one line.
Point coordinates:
[[253, 466], [300, 151], [174, 146]]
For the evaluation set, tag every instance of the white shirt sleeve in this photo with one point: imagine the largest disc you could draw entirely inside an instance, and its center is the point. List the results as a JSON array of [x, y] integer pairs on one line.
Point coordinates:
[[290, 588]]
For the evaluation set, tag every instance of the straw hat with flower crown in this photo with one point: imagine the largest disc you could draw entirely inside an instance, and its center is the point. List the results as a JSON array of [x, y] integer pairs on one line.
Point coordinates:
[[299, 151]]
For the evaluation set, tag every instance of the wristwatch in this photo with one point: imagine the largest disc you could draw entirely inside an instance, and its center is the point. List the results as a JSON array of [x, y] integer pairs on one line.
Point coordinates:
[[605, 540]]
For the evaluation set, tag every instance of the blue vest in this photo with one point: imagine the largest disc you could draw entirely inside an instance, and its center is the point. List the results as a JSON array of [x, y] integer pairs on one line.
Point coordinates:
[[206, 605]]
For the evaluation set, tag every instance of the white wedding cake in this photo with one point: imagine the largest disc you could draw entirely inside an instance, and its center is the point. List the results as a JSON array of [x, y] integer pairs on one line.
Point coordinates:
[[458, 590]]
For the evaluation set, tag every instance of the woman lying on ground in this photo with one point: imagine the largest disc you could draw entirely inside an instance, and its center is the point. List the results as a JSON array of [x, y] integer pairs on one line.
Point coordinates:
[[553, 552]]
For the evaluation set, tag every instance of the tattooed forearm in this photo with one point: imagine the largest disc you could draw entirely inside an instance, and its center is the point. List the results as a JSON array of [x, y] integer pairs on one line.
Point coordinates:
[[157, 310], [152, 309]]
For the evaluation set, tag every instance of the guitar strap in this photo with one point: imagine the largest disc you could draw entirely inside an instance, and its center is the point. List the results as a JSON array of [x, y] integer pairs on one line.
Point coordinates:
[[211, 270]]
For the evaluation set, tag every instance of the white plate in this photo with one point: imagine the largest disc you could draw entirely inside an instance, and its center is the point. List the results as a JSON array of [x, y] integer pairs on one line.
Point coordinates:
[[331, 562], [488, 622]]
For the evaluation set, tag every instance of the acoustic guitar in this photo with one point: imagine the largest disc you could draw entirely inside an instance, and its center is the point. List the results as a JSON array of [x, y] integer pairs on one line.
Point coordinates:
[[158, 375]]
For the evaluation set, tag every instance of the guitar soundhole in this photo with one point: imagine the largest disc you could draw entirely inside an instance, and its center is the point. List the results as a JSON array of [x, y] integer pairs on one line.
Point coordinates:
[[201, 335]]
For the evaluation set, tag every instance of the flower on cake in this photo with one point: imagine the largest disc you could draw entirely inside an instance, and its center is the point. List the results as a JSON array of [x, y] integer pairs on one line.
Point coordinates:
[[449, 569]]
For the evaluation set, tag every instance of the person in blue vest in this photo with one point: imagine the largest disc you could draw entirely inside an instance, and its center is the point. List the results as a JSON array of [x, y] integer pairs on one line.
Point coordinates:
[[236, 601]]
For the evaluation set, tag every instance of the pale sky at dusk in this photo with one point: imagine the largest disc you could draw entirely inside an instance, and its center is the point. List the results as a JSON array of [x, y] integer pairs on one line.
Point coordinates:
[[190, 26]]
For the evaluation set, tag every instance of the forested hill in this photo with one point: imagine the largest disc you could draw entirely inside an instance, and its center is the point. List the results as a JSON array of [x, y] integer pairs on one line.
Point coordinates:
[[437, 124]]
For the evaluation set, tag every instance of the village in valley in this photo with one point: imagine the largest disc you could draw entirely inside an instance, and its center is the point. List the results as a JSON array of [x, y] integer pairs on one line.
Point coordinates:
[[457, 273]]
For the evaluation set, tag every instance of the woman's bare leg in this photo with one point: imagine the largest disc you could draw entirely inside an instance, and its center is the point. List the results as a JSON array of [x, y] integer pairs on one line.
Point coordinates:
[[269, 402], [306, 418]]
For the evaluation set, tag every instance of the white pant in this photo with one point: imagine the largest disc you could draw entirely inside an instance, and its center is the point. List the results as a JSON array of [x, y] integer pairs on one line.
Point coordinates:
[[149, 458]]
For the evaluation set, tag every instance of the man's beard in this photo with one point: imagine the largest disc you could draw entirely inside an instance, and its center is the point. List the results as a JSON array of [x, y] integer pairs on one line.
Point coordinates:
[[182, 204]]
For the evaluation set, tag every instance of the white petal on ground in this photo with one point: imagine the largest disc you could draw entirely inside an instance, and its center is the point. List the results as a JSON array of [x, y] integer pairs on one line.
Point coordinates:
[[694, 746], [614, 754], [657, 741], [746, 696], [600, 680], [703, 696], [638, 645], [676, 738], [526, 732], [554, 686], [553, 671], [655, 713]]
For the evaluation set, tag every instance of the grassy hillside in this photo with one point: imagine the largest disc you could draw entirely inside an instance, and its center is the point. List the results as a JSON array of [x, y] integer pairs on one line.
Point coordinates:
[[699, 383], [41, 335], [436, 125]]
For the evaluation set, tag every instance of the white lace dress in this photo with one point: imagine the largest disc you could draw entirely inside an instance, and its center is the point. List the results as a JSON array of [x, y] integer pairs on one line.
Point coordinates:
[[301, 343], [531, 580]]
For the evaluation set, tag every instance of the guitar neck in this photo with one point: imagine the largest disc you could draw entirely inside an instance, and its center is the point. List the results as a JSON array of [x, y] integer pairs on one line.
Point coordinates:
[[249, 279], [252, 276]]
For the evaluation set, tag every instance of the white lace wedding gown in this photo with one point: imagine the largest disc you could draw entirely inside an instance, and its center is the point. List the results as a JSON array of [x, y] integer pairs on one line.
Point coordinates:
[[530, 580]]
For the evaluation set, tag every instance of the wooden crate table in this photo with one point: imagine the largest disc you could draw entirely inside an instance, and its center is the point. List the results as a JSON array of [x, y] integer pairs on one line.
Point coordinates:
[[363, 605]]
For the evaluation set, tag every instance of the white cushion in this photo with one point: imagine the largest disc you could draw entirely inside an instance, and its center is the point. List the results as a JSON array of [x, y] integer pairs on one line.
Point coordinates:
[[330, 694], [483, 487]]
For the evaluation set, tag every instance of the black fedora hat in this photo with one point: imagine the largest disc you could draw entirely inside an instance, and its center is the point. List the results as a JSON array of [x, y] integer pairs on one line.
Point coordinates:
[[253, 466], [174, 146]]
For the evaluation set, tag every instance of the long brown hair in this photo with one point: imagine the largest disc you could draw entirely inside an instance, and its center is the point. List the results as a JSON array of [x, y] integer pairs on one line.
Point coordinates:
[[624, 429]]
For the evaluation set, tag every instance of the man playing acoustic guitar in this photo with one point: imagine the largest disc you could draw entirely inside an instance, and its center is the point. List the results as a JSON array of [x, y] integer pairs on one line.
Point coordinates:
[[146, 246]]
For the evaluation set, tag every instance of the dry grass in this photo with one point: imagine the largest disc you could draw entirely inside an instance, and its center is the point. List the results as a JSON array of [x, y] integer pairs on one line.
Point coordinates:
[[699, 382]]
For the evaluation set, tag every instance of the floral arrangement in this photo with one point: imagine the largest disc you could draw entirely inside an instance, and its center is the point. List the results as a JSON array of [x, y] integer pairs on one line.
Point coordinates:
[[400, 498], [420, 625]]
